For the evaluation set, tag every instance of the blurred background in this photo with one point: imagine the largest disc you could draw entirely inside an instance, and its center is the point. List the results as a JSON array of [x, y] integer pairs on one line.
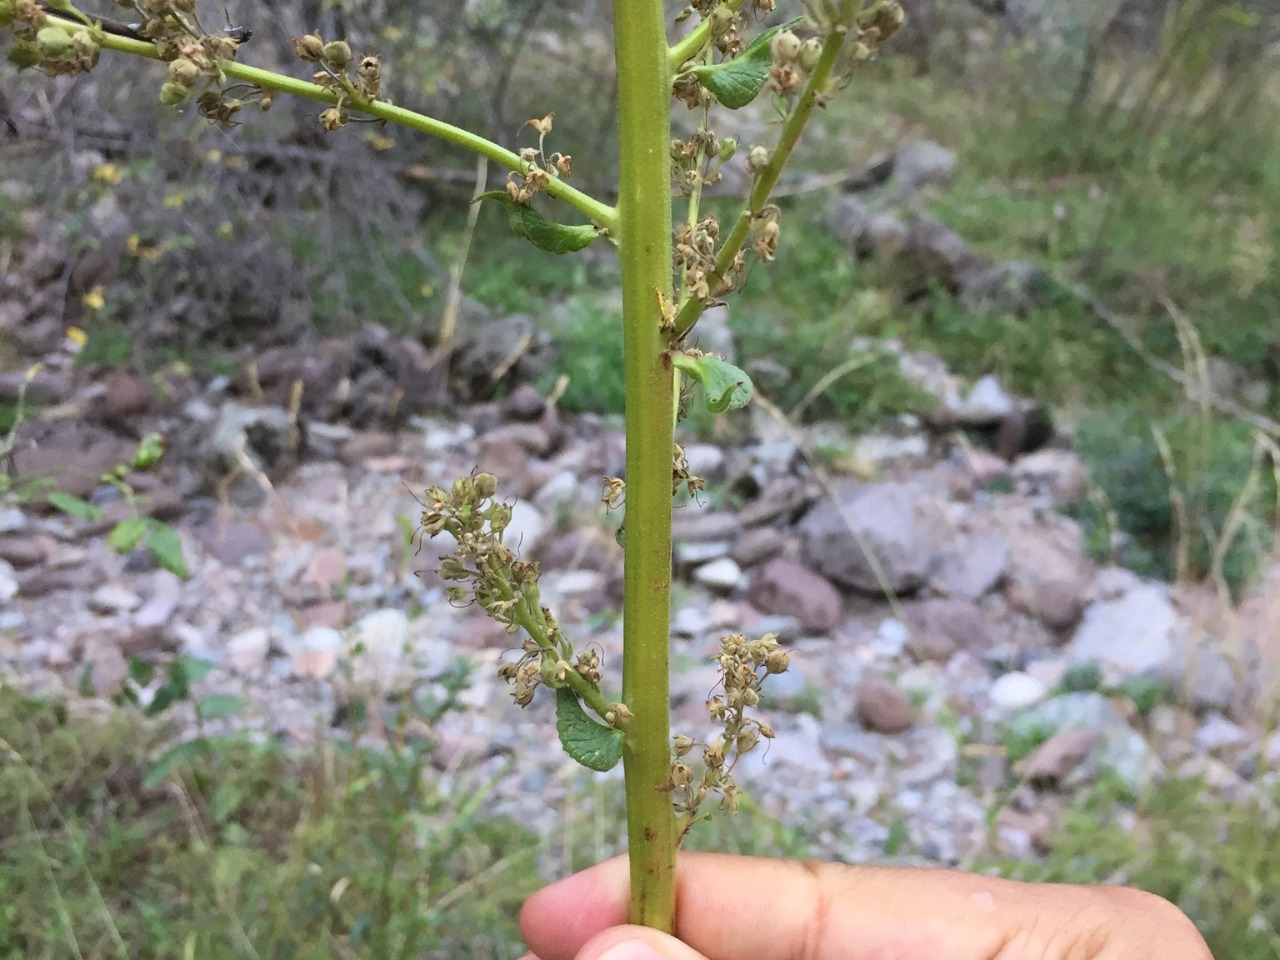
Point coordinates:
[[1028, 260]]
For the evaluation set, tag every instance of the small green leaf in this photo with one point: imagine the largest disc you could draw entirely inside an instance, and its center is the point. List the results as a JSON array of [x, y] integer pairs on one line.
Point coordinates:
[[194, 669], [174, 757], [74, 506], [165, 547], [140, 671], [543, 233], [592, 744], [150, 451], [737, 82], [218, 705], [726, 387], [127, 534]]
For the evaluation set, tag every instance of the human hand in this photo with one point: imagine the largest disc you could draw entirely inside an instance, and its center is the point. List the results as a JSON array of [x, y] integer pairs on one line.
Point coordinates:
[[748, 908]]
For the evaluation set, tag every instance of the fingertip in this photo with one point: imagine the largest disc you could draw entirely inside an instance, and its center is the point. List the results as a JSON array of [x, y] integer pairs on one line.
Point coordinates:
[[636, 943], [557, 920]]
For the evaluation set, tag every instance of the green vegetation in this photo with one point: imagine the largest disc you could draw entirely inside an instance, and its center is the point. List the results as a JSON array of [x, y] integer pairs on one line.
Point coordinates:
[[1218, 859], [247, 850]]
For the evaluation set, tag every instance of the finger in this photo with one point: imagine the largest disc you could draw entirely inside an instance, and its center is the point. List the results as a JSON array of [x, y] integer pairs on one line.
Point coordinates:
[[729, 907]]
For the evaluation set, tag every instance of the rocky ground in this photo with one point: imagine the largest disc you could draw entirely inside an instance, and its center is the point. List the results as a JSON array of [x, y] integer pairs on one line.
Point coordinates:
[[982, 662], [308, 585]]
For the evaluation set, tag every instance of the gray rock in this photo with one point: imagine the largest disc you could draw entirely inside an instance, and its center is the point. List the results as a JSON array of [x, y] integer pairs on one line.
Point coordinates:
[[935, 755], [23, 552], [8, 581], [941, 256], [1137, 634], [886, 519], [247, 651], [691, 554], [882, 449], [891, 638], [483, 349], [1017, 691], [721, 576], [714, 334], [787, 629], [13, 520], [526, 529], [848, 218], [695, 524], [758, 545], [855, 742], [1015, 287], [971, 566], [561, 490], [1120, 748], [161, 602], [706, 460], [1216, 733], [923, 164], [884, 236], [112, 598], [940, 627], [986, 403], [379, 651], [1059, 476], [255, 438], [789, 588], [1050, 574], [524, 403]]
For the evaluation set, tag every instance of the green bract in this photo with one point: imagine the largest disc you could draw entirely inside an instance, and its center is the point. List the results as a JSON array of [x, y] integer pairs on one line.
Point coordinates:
[[543, 233], [726, 387], [591, 744], [737, 82]]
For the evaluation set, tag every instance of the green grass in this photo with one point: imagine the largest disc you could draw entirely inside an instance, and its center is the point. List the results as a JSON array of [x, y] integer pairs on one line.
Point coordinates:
[[1217, 859], [336, 851]]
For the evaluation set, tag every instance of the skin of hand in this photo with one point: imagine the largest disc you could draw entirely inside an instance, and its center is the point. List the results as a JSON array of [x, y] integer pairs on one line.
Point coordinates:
[[748, 908]]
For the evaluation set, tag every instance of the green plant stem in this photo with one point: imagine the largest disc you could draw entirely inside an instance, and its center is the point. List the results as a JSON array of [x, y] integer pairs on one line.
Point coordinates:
[[601, 213], [644, 239], [683, 51], [768, 179]]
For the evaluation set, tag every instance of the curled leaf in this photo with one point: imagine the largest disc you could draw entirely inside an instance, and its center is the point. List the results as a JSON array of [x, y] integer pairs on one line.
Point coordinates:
[[726, 387], [592, 744], [542, 233], [737, 82]]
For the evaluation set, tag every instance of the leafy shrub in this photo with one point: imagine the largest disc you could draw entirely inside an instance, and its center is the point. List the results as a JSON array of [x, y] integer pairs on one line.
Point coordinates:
[[1216, 484], [1217, 859], [246, 851]]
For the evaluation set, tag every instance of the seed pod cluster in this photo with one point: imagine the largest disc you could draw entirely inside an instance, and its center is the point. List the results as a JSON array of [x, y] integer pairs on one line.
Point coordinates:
[[482, 568], [743, 665]]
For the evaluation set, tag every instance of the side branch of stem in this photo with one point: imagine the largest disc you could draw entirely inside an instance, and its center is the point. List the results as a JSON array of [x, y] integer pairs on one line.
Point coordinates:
[[601, 213]]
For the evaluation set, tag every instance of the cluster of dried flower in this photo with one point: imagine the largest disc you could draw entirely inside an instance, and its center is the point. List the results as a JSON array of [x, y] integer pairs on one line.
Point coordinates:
[[743, 664]]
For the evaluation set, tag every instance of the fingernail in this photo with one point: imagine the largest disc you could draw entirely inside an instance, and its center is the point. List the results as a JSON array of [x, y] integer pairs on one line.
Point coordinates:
[[631, 950]]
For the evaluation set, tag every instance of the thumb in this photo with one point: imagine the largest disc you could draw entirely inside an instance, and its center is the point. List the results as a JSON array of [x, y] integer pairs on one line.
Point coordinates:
[[635, 943]]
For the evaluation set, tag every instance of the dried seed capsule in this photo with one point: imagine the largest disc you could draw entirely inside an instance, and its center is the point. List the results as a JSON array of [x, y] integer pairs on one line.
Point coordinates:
[[785, 47], [332, 119], [683, 744], [309, 48], [52, 42], [174, 94], [757, 160], [809, 53], [486, 485], [337, 53], [184, 72], [889, 19]]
